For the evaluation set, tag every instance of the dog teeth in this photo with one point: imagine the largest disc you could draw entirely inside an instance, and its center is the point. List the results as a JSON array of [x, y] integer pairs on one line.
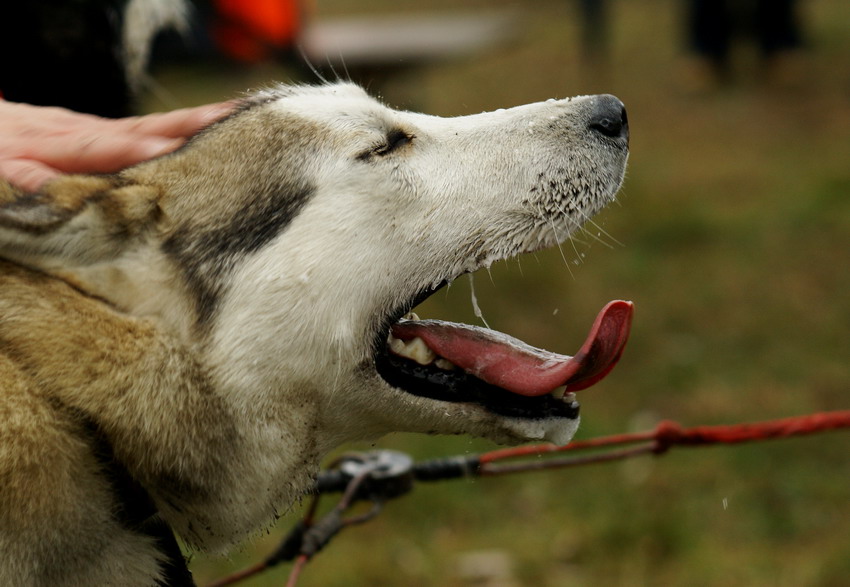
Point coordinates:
[[397, 346], [415, 349], [445, 364], [561, 394], [410, 316]]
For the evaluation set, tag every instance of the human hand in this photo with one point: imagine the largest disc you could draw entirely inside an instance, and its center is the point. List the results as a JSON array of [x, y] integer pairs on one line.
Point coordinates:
[[39, 143]]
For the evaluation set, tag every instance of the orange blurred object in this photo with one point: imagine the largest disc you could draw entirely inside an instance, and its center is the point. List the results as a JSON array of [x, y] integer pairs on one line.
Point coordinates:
[[254, 30]]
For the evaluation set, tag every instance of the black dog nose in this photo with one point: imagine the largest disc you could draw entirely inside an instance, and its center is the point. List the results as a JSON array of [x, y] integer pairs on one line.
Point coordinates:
[[609, 117]]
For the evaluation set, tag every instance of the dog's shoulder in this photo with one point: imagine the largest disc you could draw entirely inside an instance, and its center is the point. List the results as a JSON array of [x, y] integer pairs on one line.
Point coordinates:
[[61, 336]]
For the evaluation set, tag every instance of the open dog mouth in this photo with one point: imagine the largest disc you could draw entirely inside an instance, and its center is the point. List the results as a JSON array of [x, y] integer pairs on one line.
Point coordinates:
[[462, 363]]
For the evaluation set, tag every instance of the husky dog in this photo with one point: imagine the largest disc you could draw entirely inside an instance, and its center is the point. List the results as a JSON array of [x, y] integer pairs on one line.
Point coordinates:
[[181, 342]]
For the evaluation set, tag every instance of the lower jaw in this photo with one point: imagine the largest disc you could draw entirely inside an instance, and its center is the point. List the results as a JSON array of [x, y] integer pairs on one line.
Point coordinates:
[[458, 387]]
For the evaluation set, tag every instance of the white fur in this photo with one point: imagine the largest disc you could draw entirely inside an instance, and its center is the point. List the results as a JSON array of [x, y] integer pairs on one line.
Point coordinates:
[[374, 234]]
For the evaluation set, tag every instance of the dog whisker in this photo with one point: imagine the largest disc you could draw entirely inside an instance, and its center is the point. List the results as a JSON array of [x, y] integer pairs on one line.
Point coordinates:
[[344, 67], [579, 256], [561, 249], [303, 53], [336, 76], [597, 238], [589, 220], [571, 236]]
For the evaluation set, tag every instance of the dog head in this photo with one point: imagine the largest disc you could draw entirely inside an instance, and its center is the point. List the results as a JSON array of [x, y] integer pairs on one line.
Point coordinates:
[[285, 243]]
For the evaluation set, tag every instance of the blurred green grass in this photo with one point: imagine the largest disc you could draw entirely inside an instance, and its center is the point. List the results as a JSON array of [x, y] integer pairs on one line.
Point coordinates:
[[732, 235]]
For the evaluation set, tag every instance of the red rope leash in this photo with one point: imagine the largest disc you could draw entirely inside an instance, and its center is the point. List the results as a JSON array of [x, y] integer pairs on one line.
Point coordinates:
[[668, 434], [309, 536]]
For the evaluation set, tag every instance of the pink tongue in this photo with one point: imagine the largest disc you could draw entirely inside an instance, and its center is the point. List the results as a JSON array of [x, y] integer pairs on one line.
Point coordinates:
[[509, 363]]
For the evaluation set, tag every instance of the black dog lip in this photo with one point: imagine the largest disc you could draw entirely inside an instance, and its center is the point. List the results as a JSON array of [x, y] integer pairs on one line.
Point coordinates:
[[459, 387]]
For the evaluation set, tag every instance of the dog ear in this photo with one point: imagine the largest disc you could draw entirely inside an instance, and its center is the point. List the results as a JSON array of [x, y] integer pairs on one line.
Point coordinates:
[[83, 219]]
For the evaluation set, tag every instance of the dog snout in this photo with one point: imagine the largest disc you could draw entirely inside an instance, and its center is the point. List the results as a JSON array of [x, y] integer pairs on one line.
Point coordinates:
[[609, 117]]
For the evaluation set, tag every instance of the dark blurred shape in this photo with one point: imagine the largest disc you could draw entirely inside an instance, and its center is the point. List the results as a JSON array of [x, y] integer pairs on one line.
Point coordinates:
[[91, 55], [64, 53], [714, 25], [594, 34]]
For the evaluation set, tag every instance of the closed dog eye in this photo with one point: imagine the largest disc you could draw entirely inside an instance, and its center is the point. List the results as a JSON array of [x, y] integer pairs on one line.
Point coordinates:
[[395, 140]]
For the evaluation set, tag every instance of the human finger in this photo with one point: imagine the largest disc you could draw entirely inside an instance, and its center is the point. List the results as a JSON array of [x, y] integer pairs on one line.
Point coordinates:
[[27, 174], [101, 152], [177, 123]]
